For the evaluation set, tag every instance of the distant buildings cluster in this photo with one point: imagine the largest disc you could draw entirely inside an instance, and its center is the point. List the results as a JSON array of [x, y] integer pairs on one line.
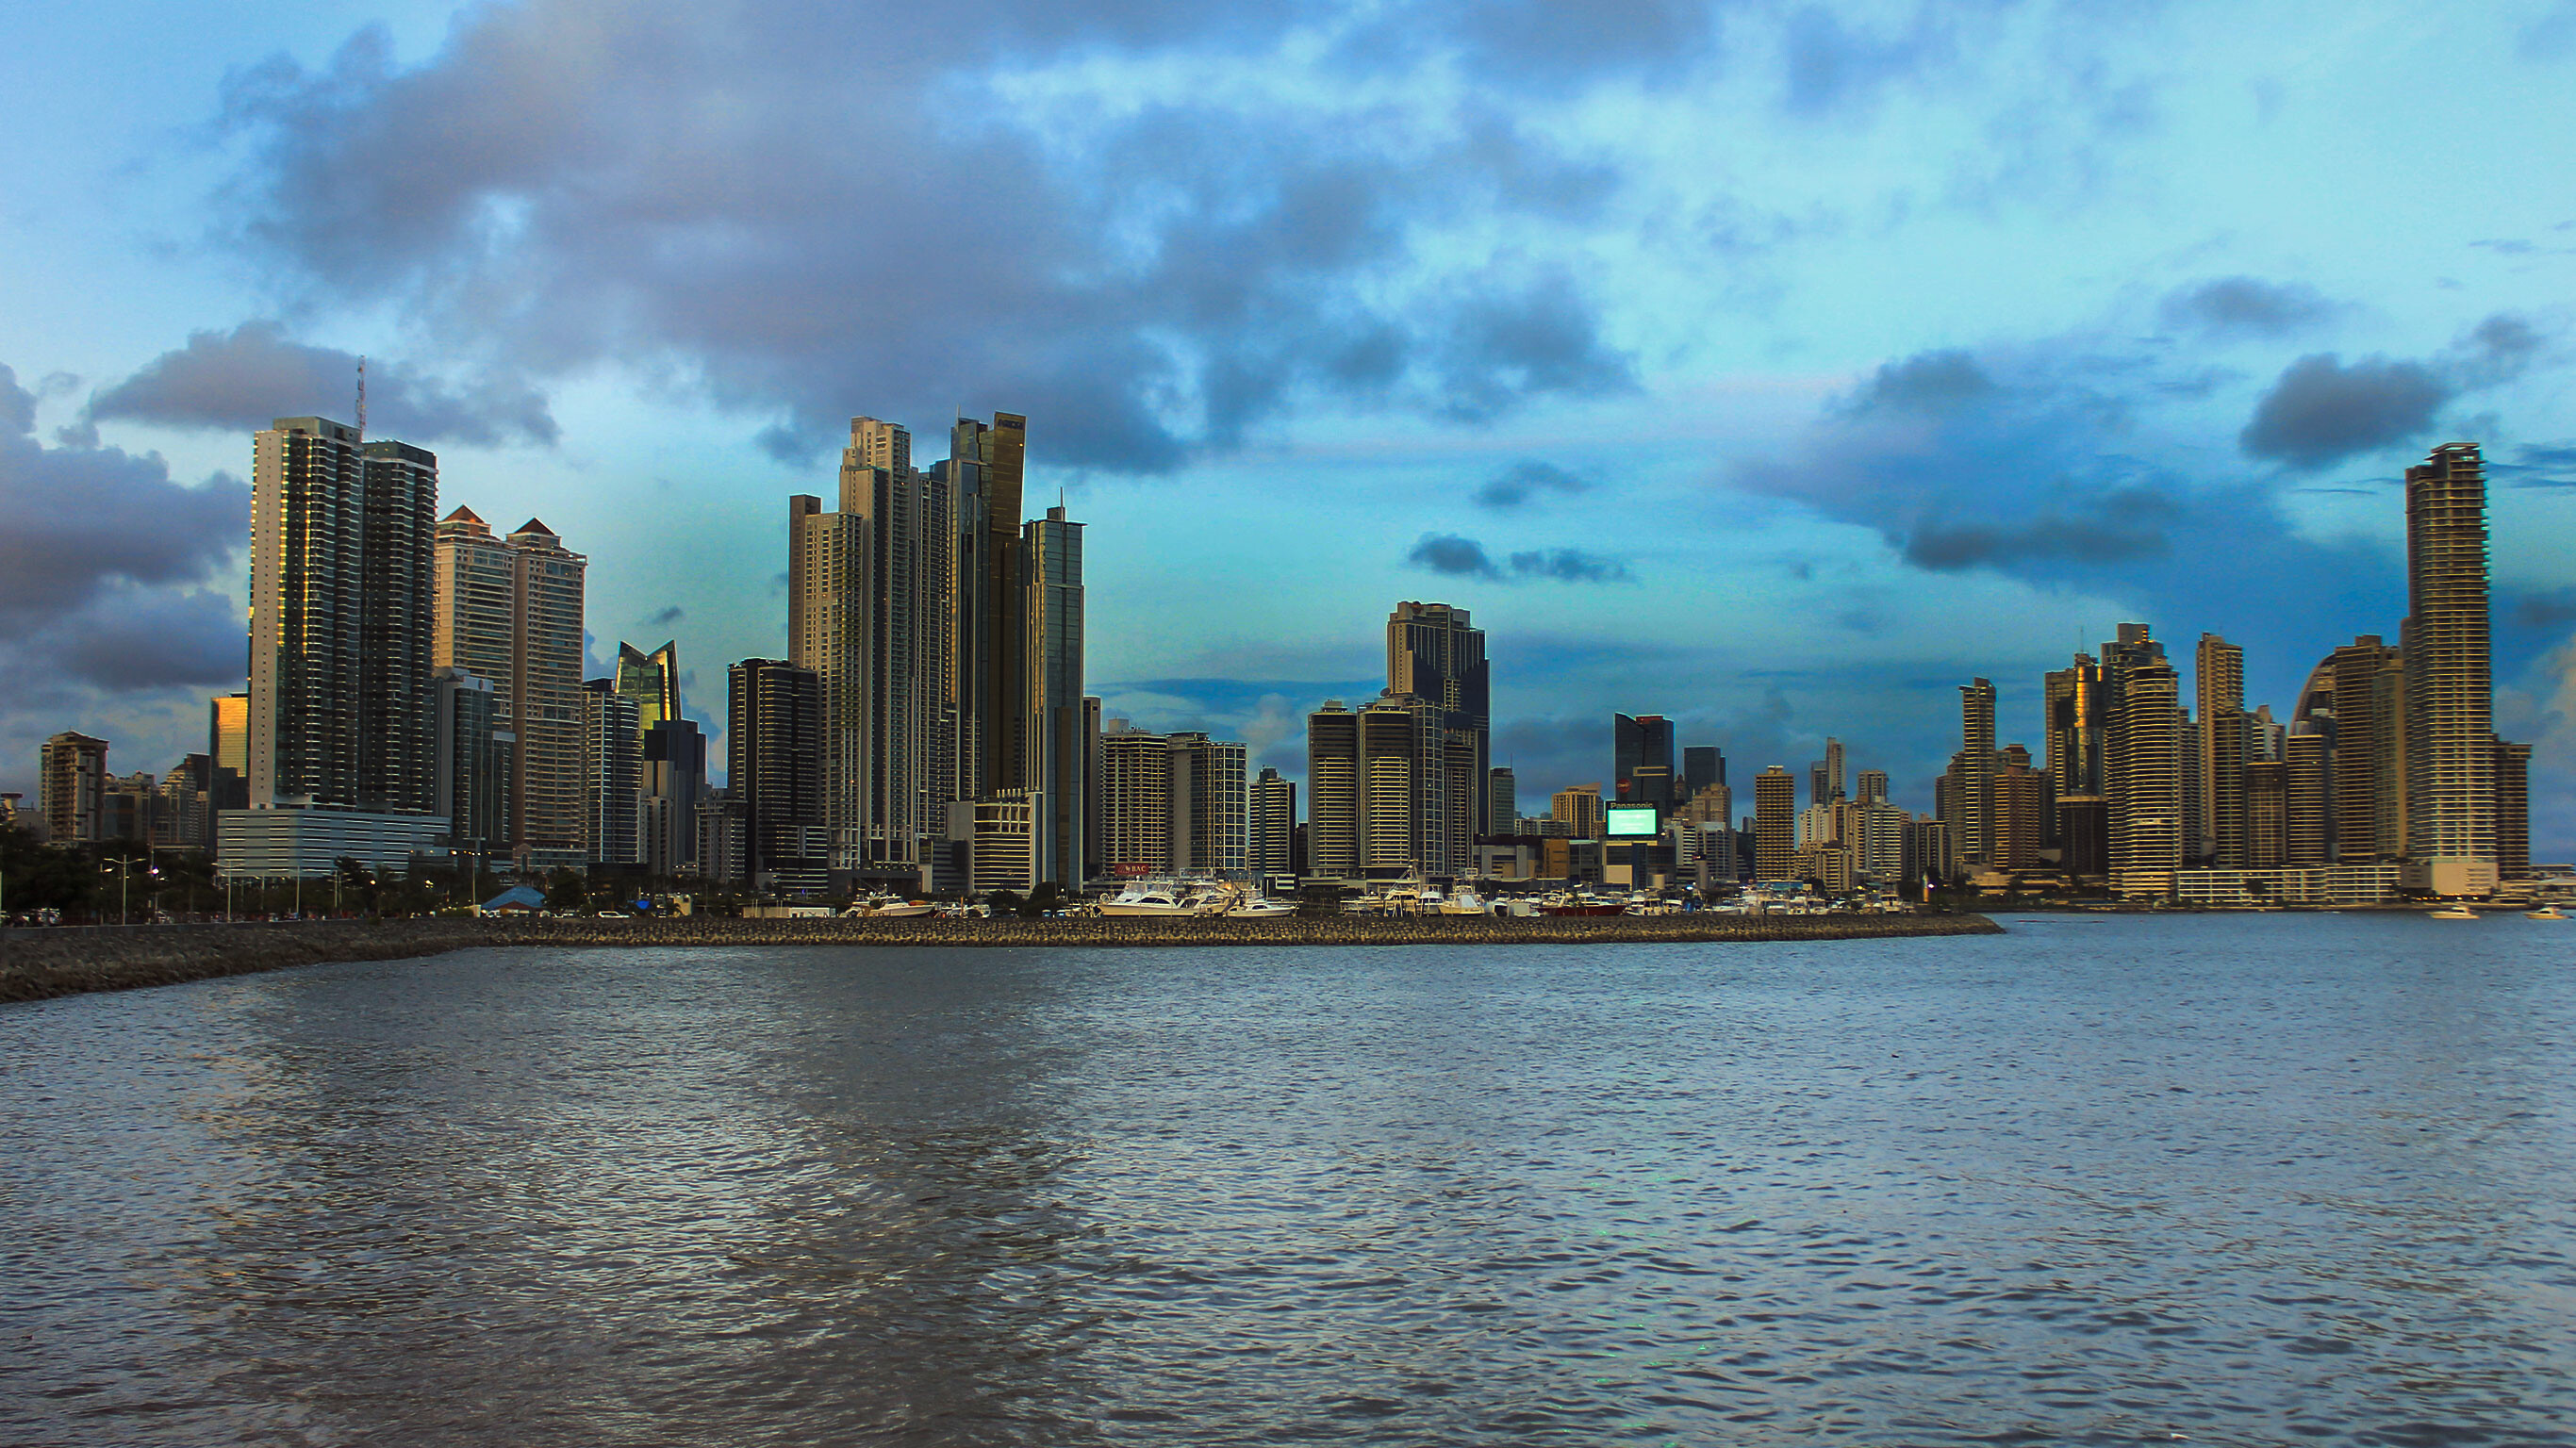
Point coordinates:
[[2387, 777], [415, 688]]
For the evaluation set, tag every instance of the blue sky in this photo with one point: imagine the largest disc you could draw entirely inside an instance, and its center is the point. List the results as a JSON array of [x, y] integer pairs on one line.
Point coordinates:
[[1777, 367]]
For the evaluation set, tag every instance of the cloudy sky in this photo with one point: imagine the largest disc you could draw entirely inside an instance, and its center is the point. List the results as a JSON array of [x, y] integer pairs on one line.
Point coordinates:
[[1777, 367]]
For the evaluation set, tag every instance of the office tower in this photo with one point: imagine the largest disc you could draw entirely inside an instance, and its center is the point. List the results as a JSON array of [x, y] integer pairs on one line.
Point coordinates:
[[774, 745], [1502, 800], [612, 769], [475, 754], [1873, 786], [978, 491], [1208, 806], [652, 681], [2021, 809], [2307, 825], [341, 611], [2366, 749], [2513, 810], [228, 749], [1433, 653], [2267, 814], [510, 610], [1637, 742], [1579, 809], [2084, 835], [2450, 814], [1702, 766], [1059, 754], [2145, 768], [71, 788], [2075, 721], [1274, 824], [1136, 803], [1973, 804], [1831, 772], [1333, 791], [673, 781], [2222, 739], [1775, 800], [1652, 784]]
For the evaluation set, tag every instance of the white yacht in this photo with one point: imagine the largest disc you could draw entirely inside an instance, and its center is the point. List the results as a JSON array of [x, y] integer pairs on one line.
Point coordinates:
[[1466, 902], [2453, 912], [881, 906], [1147, 897]]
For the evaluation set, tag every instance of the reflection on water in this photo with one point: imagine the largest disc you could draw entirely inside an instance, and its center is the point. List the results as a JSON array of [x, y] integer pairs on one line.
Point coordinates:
[[2236, 1180]]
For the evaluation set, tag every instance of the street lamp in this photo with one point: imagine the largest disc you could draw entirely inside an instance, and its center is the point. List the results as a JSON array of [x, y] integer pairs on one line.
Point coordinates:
[[123, 869]]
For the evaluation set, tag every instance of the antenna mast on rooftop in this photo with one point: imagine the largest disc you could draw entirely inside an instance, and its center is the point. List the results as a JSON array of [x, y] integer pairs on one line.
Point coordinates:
[[362, 399]]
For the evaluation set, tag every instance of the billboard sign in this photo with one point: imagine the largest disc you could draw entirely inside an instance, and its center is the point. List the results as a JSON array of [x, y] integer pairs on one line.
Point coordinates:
[[1631, 822]]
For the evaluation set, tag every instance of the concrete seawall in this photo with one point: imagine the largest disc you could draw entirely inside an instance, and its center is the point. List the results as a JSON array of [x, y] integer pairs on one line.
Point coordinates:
[[39, 964]]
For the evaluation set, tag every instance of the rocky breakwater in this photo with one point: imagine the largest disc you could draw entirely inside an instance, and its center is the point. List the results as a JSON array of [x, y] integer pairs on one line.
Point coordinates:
[[47, 963]]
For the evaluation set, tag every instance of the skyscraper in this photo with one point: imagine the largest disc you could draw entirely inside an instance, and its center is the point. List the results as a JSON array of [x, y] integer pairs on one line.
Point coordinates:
[[1579, 809], [2450, 825], [1434, 654], [2307, 833], [1972, 818], [1642, 742], [1274, 823], [1136, 803], [2367, 750], [2513, 810], [341, 614], [652, 681], [1502, 799], [1775, 805], [612, 774], [71, 788], [1333, 791], [674, 781], [2218, 675], [228, 751], [774, 741], [1209, 814], [1058, 743], [1702, 766], [510, 610], [2144, 765], [475, 755]]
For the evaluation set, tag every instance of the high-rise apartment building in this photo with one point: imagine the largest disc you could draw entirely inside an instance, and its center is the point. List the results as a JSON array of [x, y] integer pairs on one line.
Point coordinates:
[[1579, 809], [2221, 738], [1434, 654], [1274, 824], [774, 744], [1058, 738], [1333, 792], [228, 751], [612, 774], [510, 609], [2513, 810], [2450, 791], [2307, 831], [1968, 797], [1136, 803], [2144, 764], [1209, 814], [2021, 809], [2267, 814], [71, 788], [1775, 803], [475, 756], [341, 610]]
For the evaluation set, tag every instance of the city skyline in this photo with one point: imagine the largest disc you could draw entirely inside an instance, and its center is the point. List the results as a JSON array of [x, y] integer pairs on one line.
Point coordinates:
[[1733, 466]]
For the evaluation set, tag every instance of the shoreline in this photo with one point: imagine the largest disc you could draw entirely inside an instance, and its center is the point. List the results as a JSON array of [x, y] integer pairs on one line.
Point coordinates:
[[45, 964]]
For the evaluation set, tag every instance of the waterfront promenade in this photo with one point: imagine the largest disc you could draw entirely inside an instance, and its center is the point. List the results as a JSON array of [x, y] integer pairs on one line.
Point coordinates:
[[38, 964]]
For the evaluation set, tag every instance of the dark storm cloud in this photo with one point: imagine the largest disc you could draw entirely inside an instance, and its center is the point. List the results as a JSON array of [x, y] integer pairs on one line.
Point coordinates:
[[843, 223], [2542, 611], [1522, 481], [2246, 306], [238, 381], [2127, 524], [75, 519], [1569, 565], [1458, 557], [1466, 558], [1931, 382], [667, 617], [2320, 411], [2537, 465], [143, 638]]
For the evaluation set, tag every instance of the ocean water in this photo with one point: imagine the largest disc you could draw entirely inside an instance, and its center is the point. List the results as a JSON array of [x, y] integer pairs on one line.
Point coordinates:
[[2250, 1180]]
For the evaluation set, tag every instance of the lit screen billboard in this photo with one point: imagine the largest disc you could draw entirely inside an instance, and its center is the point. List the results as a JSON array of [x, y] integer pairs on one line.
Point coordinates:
[[1630, 822]]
